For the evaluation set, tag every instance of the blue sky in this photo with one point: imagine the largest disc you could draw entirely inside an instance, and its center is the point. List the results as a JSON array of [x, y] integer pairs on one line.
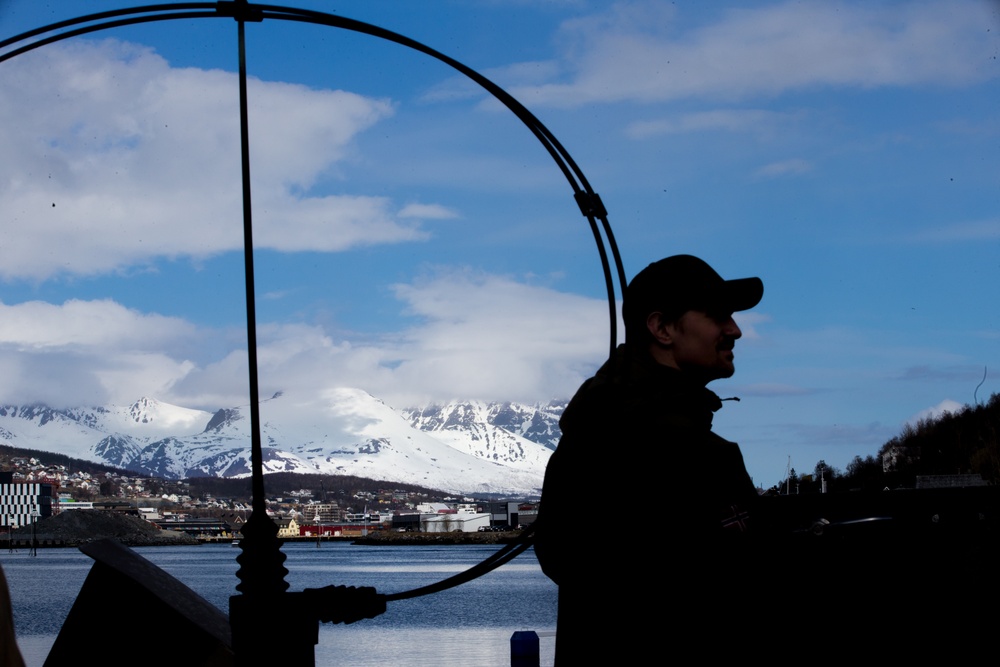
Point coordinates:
[[415, 241]]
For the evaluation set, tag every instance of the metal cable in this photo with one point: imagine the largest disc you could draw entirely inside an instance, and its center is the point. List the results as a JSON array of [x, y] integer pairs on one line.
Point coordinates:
[[504, 555]]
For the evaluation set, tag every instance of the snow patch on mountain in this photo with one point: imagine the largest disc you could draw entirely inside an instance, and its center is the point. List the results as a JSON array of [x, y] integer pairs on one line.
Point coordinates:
[[460, 447], [491, 431]]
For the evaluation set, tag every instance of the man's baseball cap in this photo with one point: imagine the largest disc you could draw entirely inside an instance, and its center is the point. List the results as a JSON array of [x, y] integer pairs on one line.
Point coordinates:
[[680, 283]]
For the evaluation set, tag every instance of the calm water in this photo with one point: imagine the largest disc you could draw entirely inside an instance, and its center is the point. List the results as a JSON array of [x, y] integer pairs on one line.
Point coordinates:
[[468, 625]]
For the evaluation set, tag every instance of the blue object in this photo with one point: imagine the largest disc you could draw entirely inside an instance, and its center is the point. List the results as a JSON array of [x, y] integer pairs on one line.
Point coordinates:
[[524, 649]]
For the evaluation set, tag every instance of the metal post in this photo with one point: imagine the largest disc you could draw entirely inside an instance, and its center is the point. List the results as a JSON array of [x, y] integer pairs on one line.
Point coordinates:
[[524, 650], [34, 540], [263, 589]]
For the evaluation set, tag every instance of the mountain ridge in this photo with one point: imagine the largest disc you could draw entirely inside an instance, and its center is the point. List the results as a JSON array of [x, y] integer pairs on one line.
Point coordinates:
[[461, 446]]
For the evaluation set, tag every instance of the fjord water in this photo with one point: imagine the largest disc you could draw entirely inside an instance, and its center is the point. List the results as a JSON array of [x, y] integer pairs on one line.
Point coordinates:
[[467, 625]]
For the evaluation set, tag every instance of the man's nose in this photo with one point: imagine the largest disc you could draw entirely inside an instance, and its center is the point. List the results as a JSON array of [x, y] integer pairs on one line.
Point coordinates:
[[732, 329]]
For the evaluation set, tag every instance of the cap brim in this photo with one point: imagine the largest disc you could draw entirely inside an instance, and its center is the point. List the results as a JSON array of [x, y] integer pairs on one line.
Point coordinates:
[[742, 293]]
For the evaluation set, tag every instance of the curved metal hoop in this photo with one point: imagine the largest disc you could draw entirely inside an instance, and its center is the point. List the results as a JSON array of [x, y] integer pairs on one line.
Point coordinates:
[[587, 199], [268, 564]]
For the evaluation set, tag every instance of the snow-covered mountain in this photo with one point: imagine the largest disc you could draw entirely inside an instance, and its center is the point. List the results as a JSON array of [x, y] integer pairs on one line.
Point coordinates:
[[121, 430], [498, 432], [460, 447]]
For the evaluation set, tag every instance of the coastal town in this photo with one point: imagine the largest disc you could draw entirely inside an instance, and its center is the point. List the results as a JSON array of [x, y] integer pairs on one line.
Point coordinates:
[[35, 492]]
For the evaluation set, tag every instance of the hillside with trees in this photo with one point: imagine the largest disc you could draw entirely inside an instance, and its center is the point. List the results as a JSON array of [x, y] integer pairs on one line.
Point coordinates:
[[966, 442]]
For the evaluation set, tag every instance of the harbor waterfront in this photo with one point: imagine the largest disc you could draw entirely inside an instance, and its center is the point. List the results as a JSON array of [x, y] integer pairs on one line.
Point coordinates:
[[467, 625]]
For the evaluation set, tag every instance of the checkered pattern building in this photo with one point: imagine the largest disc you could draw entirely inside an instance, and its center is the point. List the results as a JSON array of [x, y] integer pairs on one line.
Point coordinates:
[[18, 501]]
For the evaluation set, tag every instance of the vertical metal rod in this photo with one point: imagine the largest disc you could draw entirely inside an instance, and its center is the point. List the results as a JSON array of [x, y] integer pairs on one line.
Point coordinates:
[[262, 574], [256, 453]]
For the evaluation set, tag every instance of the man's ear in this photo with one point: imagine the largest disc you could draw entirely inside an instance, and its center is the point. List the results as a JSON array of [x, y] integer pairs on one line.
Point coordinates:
[[659, 329]]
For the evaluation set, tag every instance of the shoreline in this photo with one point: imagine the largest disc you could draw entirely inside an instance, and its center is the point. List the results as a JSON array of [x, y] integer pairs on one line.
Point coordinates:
[[175, 538], [390, 538]]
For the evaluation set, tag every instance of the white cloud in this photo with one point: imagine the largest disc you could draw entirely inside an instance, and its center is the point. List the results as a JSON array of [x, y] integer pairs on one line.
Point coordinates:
[[977, 230], [36, 325], [112, 158], [474, 336], [460, 87], [88, 353], [329, 224], [731, 120], [427, 211], [748, 322], [490, 337], [774, 389], [632, 51], [56, 378], [935, 412], [784, 168]]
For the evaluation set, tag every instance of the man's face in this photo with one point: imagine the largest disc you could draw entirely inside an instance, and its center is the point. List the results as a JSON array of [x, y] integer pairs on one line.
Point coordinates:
[[702, 343]]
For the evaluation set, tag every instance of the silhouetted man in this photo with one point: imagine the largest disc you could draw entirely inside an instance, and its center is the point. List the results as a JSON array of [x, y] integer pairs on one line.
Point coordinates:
[[645, 511]]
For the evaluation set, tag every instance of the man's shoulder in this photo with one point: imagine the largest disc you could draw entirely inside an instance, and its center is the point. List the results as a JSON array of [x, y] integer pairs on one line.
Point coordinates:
[[630, 392]]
